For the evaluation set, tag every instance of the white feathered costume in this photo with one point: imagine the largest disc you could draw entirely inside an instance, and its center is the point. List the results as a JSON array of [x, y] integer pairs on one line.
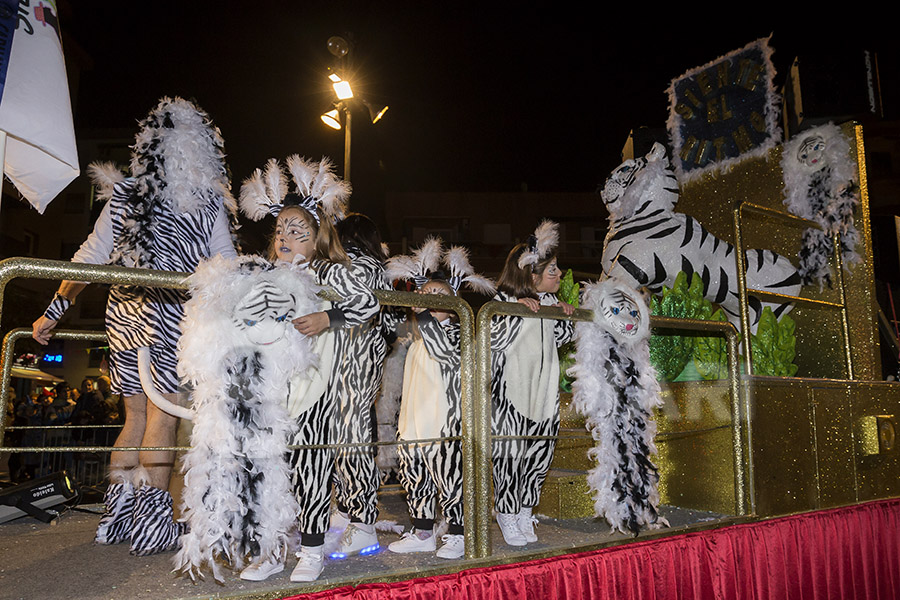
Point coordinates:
[[238, 352], [616, 391]]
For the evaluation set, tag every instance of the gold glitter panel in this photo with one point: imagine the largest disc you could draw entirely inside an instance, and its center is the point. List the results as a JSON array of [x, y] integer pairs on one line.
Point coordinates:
[[820, 344], [566, 495], [694, 441], [835, 450], [878, 474]]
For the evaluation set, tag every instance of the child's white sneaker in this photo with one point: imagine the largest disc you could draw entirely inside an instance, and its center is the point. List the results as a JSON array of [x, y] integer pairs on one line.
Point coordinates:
[[310, 565], [358, 538], [509, 527], [260, 570], [411, 542], [454, 546], [526, 524]]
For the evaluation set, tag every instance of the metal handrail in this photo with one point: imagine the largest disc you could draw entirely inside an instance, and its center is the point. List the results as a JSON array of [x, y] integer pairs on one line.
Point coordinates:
[[741, 434], [744, 291]]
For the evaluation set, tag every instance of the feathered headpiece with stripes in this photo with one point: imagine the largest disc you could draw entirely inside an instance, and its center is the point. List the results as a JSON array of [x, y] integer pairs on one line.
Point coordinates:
[[419, 267], [457, 262], [266, 192], [540, 244]]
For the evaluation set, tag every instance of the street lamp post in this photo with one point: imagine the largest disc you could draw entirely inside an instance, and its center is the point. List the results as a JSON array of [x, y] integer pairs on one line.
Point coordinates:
[[339, 47]]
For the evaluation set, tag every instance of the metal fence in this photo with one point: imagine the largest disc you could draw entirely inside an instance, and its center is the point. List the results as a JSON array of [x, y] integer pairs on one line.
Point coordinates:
[[476, 438]]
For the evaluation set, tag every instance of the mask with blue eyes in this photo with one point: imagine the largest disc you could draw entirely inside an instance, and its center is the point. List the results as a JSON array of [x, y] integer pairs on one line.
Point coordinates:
[[622, 312], [265, 313]]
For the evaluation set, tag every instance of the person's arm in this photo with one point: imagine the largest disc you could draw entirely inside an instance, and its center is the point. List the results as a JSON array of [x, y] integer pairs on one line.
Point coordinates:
[[357, 305], [220, 241], [441, 343], [504, 329], [95, 250]]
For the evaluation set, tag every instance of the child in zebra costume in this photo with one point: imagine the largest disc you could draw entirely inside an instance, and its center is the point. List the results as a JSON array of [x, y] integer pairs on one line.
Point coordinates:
[[525, 382], [169, 215], [362, 365], [430, 405], [239, 351], [305, 235]]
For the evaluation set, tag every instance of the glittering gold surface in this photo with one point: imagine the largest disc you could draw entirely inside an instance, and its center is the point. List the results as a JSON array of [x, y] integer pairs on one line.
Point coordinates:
[[566, 495], [878, 475], [694, 439], [820, 341]]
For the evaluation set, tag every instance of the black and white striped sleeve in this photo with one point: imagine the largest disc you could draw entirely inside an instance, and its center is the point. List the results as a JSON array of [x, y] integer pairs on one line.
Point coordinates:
[[563, 329], [357, 305], [504, 329], [442, 343]]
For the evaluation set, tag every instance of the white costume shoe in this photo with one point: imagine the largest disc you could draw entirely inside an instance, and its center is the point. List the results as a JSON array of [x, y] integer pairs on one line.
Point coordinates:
[[310, 565], [526, 524], [411, 542], [358, 538], [509, 527], [454, 546], [261, 570]]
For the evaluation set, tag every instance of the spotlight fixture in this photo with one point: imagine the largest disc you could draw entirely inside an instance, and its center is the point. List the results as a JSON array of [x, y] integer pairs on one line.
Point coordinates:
[[374, 114], [342, 89], [332, 119], [36, 497]]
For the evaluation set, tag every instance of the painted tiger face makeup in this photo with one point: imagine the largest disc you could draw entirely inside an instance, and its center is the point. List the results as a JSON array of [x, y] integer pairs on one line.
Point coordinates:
[[549, 280], [293, 236], [265, 313]]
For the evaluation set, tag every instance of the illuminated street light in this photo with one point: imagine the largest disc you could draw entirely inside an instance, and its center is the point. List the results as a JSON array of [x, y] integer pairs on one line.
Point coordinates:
[[332, 119], [342, 90]]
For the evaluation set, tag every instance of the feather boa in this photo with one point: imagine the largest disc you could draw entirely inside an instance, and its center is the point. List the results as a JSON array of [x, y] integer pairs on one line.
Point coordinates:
[[178, 162], [616, 391], [237, 497], [826, 193]]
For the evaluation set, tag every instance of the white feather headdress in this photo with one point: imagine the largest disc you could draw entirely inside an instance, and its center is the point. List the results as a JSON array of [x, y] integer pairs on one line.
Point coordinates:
[[540, 244], [418, 267], [316, 187], [457, 262]]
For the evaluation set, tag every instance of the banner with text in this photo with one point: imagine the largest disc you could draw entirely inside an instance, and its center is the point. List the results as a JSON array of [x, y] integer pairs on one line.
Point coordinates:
[[724, 112]]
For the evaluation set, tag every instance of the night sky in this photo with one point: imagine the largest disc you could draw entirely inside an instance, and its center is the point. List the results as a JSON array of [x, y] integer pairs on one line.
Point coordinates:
[[480, 99]]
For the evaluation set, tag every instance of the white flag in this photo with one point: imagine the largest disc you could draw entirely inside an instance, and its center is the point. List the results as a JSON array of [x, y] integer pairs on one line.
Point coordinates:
[[35, 111]]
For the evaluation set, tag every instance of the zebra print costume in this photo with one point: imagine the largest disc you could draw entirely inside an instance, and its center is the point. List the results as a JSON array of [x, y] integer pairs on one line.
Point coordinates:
[[648, 243], [525, 392], [314, 399], [362, 368], [139, 317], [239, 351], [432, 470]]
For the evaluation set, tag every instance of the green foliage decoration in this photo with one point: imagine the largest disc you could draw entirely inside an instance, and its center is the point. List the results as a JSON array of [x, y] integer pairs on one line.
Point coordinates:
[[569, 292], [670, 353], [774, 346], [711, 353]]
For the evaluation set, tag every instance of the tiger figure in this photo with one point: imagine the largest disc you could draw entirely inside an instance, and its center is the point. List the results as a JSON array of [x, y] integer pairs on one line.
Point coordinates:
[[648, 243]]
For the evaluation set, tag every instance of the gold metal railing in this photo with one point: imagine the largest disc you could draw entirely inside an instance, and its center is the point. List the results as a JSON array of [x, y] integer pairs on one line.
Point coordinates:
[[475, 398], [743, 469], [744, 291]]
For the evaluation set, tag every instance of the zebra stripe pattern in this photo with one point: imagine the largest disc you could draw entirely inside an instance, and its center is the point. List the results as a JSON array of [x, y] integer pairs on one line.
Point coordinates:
[[434, 471], [154, 530], [118, 519], [149, 317], [362, 352], [520, 466], [312, 469], [648, 243]]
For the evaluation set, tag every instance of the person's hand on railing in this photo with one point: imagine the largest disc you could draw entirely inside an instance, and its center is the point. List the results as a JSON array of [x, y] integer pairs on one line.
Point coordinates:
[[42, 329], [567, 308], [531, 303]]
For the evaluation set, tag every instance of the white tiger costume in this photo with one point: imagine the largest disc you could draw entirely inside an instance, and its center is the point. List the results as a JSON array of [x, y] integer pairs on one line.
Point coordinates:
[[615, 388], [648, 243], [239, 351], [170, 215]]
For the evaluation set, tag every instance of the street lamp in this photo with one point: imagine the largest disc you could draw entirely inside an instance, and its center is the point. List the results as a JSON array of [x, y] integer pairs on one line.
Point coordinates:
[[339, 47]]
